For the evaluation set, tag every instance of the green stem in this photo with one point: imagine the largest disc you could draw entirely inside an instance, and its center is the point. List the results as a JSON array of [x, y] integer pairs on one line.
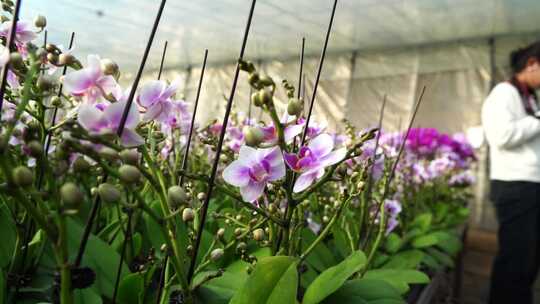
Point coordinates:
[[376, 243]]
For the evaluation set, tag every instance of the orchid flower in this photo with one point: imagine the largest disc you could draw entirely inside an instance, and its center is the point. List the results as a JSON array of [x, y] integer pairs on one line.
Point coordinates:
[[392, 207], [98, 119], [23, 34], [91, 83], [155, 98], [312, 159], [253, 169]]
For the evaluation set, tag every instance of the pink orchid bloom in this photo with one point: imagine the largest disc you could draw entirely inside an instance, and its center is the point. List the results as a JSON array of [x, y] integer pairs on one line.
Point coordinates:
[[314, 128], [97, 119], [253, 169], [312, 159], [23, 33], [155, 98], [90, 83]]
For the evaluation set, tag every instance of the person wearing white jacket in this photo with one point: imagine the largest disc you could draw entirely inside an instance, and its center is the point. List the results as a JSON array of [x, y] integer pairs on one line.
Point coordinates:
[[511, 122]]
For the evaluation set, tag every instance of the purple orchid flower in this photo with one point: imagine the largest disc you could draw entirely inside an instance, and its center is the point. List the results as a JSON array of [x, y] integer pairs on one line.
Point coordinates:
[[155, 98], [90, 83], [253, 169], [312, 159], [23, 33], [392, 208], [99, 119]]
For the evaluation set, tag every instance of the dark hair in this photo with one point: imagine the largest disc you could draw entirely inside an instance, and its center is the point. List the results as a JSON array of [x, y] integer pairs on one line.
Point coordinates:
[[519, 57]]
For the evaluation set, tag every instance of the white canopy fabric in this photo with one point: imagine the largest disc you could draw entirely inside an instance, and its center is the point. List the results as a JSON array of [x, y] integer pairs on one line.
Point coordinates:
[[119, 29]]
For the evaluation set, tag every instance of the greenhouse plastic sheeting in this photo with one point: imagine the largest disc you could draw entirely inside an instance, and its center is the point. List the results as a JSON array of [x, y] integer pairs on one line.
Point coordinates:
[[119, 29]]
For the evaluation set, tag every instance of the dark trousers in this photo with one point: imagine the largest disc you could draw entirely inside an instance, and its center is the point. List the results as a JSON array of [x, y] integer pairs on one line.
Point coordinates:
[[515, 268]]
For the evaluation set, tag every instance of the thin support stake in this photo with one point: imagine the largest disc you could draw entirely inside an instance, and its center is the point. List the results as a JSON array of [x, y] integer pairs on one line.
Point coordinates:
[[204, 209], [162, 60]]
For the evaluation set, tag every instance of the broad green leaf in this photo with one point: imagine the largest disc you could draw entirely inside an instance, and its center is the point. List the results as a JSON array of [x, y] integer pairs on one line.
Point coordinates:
[[86, 296], [431, 262], [2, 287], [364, 291], [8, 235], [131, 288], [399, 278], [99, 256], [213, 294], [341, 241], [393, 243], [441, 257], [424, 241], [137, 243], [448, 242], [423, 221], [321, 257], [154, 234], [273, 281], [333, 278], [409, 259]]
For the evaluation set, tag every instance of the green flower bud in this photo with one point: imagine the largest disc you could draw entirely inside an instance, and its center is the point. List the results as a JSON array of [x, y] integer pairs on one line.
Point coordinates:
[[45, 82], [241, 246], [238, 231], [108, 153], [201, 196], [129, 174], [256, 100], [35, 148], [176, 196], [220, 233], [254, 79], [258, 234], [16, 60], [51, 48], [216, 254], [40, 21], [52, 58], [61, 168], [188, 215], [56, 101], [109, 67], [295, 107], [109, 193], [266, 81], [81, 165], [266, 96], [253, 136], [71, 194], [272, 208], [130, 157], [325, 219], [22, 176], [66, 59]]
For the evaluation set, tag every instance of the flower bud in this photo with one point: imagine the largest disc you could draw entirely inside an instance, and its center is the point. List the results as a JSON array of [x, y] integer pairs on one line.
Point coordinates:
[[66, 59], [176, 196], [35, 149], [266, 81], [129, 174], [45, 82], [56, 101], [220, 233], [295, 107], [109, 67], [40, 21], [238, 231], [61, 168], [71, 194], [130, 157], [258, 234], [216, 254], [253, 79], [109, 193], [256, 100], [253, 136], [272, 208], [241, 246], [325, 219], [188, 215], [108, 153], [201, 196], [16, 60], [52, 58], [22, 176], [81, 165]]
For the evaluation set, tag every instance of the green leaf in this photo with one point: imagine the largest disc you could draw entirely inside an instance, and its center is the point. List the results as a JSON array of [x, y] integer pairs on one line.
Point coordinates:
[[274, 280], [365, 291], [409, 259], [333, 278], [130, 288], [99, 256], [321, 257], [441, 257], [2, 287], [431, 262], [398, 278], [448, 242], [137, 243], [393, 243], [341, 241], [425, 241], [86, 296], [423, 221], [8, 235]]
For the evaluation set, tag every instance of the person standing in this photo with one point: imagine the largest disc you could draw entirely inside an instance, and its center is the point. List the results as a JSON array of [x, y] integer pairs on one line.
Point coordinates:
[[511, 122]]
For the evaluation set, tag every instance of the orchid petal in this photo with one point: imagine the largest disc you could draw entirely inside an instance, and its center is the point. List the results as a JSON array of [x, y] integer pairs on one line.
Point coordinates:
[[272, 155], [321, 145], [252, 191], [247, 155], [292, 131], [79, 81], [291, 160], [334, 157], [109, 85], [236, 174], [150, 93], [114, 112], [304, 181], [90, 118], [130, 138]]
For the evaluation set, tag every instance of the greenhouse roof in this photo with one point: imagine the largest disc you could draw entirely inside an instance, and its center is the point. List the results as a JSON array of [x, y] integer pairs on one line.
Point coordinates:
[[119, 28]]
